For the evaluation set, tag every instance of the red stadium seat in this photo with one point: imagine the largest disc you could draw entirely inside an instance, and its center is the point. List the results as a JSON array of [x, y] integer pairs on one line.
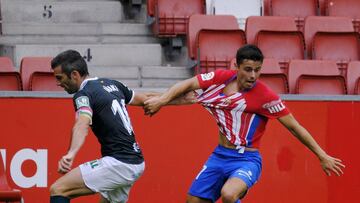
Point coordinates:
[[6, 64], [150, 6], [348, 8], [315, 77], [281, 45], [217, 48], [172, 16], [198, 22], [7, 194], [272, 75], [43, 81], [254, 24], [341, 47], [314, 24], [33, 64], [294, 8], [353, 78], [10, 79]]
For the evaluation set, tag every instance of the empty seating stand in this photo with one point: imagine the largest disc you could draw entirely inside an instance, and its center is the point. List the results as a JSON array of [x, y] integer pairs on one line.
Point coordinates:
[[273, 76], [294, 8], [7, 194], [314, 24], [353, 78], [198, 22], [315, 77], [348, 8], [216, 48], [37, 68], [241, 9], [10, 79]]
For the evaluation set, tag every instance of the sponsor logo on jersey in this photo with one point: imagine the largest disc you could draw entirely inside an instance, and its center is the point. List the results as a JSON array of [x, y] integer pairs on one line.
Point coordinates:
[[207, 76], [274, 106], [82, 101]]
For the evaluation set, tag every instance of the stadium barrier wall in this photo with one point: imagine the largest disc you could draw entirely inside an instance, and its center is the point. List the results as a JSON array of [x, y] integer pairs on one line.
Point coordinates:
[[35, 133]]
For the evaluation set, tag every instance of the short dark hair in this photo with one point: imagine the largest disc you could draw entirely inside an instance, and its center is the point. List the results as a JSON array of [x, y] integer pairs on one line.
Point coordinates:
[[69, 61], [250, 52]]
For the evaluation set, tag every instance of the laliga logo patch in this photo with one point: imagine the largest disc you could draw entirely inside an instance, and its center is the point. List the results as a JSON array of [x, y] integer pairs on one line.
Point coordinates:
[[274, 106], [207, 76], [82, 101]]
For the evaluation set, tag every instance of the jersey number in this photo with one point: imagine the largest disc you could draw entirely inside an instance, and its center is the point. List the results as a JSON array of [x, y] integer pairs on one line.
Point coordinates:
[[120, 108]]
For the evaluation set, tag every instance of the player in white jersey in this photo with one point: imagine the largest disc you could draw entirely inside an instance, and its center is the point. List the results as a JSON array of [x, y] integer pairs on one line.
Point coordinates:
[[241, 106]]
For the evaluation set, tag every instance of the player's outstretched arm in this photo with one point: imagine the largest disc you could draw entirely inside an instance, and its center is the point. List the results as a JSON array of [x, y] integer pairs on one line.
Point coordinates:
[[154, 104], [79, 133], [329, 164]]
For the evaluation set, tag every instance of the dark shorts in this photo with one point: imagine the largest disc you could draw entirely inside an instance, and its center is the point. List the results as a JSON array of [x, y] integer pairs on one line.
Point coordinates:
[[225, 163]]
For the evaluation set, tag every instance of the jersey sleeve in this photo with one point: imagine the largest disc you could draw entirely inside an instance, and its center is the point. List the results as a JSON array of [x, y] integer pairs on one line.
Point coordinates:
[[272, 106], [82, 105], [128, 93], [216, 77]]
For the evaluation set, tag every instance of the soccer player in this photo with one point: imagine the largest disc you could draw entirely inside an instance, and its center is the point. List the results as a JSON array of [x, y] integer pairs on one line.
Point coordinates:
[[100, 104], [241, 106]]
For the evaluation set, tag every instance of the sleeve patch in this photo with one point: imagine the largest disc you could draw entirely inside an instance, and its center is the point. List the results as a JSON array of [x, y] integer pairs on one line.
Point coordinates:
[[207, 76], [274, 106], [82, 101]]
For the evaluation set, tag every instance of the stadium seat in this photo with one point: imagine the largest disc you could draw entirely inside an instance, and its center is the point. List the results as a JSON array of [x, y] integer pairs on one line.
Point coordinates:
[[281, 45], [29, 65], [314, 24], [273, 76], [353, 78], [10, 79], [43, 81], [348, 8], [254, 24], [7, 194], [241, 9], [6, 64], [341, 47], [294, 8], [150, 11], [198, 22], [172, 16], [266, 7], [315, 77], [217, 48]]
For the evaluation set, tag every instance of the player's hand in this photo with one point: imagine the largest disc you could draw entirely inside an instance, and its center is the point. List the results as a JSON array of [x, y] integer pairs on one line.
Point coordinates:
[[152, 105], [332, 165], [65, 164]]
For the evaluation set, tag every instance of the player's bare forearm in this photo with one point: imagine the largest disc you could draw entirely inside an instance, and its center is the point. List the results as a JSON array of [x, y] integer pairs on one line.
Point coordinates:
[[179, 89], [79, 133], [188, 98]]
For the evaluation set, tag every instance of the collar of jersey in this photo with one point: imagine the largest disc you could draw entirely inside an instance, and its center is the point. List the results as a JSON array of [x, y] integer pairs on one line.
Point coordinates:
[[85, 82]]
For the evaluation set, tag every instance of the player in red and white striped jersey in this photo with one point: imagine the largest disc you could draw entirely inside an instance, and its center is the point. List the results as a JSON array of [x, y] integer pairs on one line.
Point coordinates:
[[241, 106]]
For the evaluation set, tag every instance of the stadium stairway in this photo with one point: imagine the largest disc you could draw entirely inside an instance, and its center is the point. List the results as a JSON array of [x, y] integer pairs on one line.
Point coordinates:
[[113, 45]]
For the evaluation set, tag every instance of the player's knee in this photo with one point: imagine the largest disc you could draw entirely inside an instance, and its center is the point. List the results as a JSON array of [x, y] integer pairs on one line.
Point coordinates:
[[230, 196], [57, 189]]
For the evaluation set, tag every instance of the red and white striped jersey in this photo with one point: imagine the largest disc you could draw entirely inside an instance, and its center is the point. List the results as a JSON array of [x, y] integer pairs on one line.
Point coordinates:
[[241, 116]]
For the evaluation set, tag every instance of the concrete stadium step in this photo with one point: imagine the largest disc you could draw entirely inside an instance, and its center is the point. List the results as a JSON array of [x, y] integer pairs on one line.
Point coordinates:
[[61, 11], [128, 75], [78, 33], [95, 55], [163, 76]]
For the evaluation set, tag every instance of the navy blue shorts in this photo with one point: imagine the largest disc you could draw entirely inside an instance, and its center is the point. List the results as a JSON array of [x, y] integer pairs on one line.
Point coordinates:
[[225, 163]]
